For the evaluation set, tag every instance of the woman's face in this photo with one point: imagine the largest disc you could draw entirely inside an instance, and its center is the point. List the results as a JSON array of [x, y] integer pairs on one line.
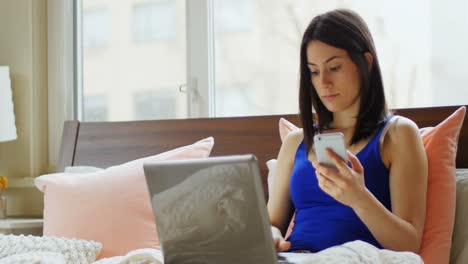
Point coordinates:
[[334, 76]]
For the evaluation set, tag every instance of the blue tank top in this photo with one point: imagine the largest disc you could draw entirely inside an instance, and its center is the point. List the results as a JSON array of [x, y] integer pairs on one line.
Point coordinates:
[[321, 221]]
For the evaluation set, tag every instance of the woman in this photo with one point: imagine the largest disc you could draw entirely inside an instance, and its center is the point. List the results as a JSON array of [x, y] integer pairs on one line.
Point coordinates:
[[381, 197]]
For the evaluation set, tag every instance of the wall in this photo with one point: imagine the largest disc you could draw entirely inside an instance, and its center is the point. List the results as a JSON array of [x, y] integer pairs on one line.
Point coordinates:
[[23, 47]]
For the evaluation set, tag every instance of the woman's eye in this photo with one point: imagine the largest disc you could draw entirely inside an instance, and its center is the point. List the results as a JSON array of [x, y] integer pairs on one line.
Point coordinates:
[[313, 73], [336, 68]]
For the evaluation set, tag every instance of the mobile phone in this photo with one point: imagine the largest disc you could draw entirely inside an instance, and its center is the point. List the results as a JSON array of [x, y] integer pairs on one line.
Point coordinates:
[[334, 141]]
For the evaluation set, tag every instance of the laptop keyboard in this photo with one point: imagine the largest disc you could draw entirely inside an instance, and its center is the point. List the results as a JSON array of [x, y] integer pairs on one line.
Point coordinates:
[[283, 260]]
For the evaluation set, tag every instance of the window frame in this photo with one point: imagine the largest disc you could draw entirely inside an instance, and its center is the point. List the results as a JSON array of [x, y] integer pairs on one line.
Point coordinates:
[[200, 79], [61, 58]]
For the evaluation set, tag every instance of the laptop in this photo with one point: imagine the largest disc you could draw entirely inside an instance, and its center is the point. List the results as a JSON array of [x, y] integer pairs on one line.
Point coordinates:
[[211, 210]]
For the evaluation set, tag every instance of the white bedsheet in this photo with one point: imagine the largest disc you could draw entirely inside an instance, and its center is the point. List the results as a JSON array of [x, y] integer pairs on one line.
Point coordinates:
[[352, 252]]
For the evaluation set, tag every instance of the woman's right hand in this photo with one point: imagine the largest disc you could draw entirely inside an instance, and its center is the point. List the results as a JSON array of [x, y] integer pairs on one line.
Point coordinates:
[[278, 240]]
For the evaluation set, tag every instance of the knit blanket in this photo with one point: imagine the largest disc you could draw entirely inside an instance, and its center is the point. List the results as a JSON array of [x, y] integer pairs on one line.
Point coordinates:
[[44, 249], [50, 250]]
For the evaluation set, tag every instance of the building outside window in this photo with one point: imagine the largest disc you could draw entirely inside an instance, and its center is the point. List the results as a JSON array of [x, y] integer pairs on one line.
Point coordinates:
[[96, 28], [96, 108], [138, 56], [154, 21], [154, 105]]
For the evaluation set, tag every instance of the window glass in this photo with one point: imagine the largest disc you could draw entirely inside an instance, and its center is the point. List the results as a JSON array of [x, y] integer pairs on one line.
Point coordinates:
[[235, 100], [154, 105], [96, 28], [96, 108], [145, 47], [154, 21], [130, 45], [422, 59]]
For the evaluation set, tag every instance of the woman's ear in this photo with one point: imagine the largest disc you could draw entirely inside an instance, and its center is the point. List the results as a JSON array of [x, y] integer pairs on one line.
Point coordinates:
[[370, 60]]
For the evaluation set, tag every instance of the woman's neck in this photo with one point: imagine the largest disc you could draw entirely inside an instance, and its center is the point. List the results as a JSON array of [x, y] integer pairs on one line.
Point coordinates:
[[344, 121]]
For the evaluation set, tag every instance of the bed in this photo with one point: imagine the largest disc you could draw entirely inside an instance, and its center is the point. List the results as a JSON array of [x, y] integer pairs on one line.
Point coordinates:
[[104, 144]]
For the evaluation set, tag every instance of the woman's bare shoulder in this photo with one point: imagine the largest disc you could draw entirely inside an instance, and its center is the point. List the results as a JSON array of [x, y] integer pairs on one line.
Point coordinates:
[[403, 127], [402, 134]]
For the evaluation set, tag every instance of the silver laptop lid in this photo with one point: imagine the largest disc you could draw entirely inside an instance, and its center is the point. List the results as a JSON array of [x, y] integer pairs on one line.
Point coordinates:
[[210, 210]]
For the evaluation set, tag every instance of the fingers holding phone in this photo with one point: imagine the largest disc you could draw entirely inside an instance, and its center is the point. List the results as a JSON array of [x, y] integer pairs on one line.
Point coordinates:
[[278, 240], [344, 183]]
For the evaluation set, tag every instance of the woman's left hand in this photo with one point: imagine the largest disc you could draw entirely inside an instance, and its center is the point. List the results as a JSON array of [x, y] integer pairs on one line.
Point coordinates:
[[344, 184]]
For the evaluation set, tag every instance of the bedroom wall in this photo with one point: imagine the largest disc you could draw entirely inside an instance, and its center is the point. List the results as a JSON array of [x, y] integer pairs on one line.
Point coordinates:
[[23, 47]]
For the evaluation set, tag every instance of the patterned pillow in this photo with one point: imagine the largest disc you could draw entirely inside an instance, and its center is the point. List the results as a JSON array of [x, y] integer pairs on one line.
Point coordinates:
[[73, 250]]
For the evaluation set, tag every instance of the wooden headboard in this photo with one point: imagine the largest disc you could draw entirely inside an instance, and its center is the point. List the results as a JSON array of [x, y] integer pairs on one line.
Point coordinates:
[[103, 144]]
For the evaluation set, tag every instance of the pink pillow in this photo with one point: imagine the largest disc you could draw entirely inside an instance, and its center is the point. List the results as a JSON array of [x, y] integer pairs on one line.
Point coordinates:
[[111, 206], [440, 143]]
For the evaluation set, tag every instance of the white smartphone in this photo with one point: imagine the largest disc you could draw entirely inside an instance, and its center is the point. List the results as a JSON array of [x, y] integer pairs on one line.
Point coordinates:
[[334, 141]]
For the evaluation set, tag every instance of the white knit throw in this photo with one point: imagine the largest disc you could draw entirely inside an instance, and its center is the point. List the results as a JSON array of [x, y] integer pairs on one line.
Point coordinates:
[[73, 250]]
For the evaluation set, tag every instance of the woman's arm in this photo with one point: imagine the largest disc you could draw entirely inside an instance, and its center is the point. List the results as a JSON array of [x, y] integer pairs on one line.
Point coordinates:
[[279, 203], [400, 229]]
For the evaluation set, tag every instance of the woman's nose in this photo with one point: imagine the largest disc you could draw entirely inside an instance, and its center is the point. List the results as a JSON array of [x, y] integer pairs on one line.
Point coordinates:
[[325, 81]]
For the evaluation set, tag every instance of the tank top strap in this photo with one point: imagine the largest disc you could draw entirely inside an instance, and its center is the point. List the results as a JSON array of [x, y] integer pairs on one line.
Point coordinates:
[[383, 128]]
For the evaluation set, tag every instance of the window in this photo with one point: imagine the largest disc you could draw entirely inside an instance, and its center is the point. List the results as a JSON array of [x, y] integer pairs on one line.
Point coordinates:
[[234, 100], [154, 105], [96, 28], [264, 58], [154, 21], [96, 108], [251, 54], [125, 69], [228, 12]]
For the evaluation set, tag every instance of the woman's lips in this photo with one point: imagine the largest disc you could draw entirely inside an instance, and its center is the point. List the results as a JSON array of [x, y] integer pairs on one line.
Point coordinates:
[[330, 97]]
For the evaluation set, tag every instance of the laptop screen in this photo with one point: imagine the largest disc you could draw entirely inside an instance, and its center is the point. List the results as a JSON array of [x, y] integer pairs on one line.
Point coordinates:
[[210, 211]]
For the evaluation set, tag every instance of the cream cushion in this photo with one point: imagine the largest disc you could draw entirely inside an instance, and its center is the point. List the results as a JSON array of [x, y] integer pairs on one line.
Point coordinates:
[[459, 251]]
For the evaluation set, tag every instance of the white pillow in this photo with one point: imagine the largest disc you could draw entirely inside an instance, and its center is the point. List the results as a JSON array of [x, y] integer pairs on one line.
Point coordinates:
[[81, 169], [271, 165], [137, 256], [459, 251], [73, 250]]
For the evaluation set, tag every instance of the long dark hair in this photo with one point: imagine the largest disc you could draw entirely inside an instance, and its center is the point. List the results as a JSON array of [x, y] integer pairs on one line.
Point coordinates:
[[346, 30]]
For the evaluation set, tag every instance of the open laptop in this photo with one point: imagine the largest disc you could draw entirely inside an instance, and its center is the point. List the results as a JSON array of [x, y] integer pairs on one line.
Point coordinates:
[[211, 211]]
